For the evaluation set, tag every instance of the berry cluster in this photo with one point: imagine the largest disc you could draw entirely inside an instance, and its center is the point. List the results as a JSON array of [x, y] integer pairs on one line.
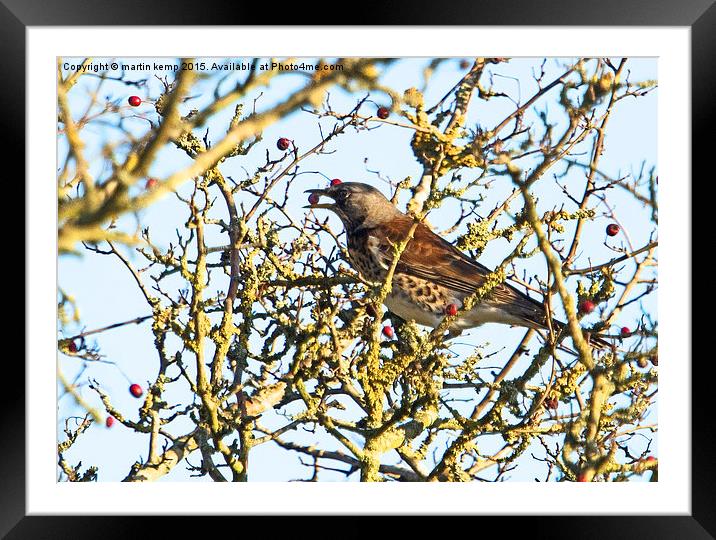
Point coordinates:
[[313, 198]]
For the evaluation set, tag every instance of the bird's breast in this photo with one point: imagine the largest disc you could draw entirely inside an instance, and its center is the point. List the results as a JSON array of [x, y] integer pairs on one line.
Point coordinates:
[[366, 264], [367, 258]]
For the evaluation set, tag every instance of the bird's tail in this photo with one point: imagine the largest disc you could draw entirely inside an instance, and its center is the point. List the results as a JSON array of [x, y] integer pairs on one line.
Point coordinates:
[[594, 340], [533, 313]]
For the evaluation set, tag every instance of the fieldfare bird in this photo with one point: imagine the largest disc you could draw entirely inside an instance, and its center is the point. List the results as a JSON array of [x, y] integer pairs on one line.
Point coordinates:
[[431, 273]]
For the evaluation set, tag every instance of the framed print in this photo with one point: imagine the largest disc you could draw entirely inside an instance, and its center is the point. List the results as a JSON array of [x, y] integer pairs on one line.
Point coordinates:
[[359, 271]]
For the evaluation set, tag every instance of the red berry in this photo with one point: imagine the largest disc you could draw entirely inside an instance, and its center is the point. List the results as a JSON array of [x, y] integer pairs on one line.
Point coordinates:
[[451, 310], [283, 143], [587, 306], [136, 390], [72, 346], [551, 403], [134, 101], [651, 458], [336, 181], [313, 198], [464, 64], [151, 183], [625, 331], [582, 477], [383, 113], [613, 229], [109, 421], [388, 332]]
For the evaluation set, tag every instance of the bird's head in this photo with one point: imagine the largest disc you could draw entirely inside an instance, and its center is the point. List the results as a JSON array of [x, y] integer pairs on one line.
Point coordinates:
[[358, 205]]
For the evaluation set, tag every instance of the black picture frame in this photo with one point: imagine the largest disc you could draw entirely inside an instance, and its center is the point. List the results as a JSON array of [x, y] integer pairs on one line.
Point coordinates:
[[699, 15]]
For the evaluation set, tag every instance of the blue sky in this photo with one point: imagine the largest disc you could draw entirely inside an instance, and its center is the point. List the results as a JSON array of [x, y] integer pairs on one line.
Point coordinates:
[[105, 291]]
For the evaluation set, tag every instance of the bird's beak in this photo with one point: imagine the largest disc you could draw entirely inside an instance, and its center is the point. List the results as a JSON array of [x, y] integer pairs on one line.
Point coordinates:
[[321, 193]]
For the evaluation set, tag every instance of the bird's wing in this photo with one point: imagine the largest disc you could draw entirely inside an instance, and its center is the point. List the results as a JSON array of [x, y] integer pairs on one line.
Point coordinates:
[[428, 256]]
